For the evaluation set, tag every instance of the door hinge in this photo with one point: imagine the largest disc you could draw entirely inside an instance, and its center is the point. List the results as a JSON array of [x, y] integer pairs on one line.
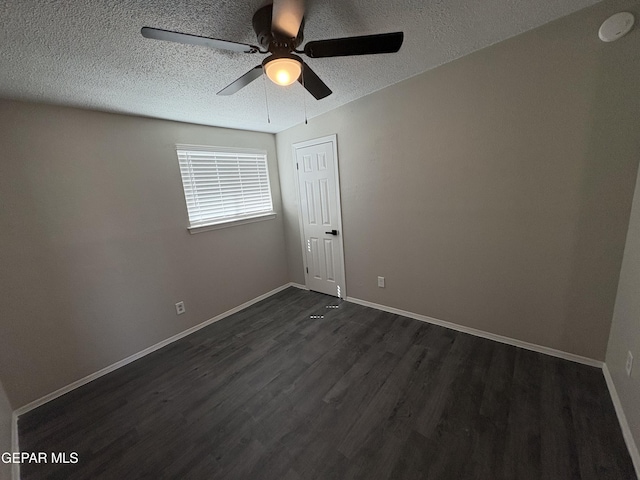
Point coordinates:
[[307, 269], [297, 166]]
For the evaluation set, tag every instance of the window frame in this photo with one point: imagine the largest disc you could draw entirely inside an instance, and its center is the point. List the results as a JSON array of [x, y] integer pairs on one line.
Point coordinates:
[[216, 224]]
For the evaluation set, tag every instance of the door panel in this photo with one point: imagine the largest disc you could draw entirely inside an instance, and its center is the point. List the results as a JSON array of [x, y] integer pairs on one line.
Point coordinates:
[[324, 202], [315, 258], [329, 260], [319, 207], [311, 207]]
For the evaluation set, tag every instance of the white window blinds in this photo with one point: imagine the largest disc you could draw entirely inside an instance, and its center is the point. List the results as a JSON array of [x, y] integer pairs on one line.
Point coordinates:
[[221, 185]]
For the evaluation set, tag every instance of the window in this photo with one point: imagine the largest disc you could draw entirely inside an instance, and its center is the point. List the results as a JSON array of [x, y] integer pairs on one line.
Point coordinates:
[[224, 186]]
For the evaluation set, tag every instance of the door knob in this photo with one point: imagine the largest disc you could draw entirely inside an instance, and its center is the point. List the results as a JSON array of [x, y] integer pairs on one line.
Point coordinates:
[[332, 232]]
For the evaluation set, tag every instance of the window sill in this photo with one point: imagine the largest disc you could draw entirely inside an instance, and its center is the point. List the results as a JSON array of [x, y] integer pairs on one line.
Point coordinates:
[[231, 223]]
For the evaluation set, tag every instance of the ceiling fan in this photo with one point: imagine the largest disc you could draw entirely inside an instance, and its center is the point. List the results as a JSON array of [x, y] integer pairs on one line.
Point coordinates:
[[279, 27]]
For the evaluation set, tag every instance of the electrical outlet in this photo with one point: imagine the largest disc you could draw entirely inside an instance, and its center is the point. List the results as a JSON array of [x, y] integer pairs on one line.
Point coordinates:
[[629, 364], [180, 308], [381, 282]]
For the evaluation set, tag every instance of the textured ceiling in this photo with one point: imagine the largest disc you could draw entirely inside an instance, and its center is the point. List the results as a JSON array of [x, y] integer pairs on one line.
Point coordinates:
[[90, 54]]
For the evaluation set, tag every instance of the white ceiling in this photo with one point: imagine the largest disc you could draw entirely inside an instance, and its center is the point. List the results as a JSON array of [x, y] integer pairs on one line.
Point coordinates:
[[90, 54]]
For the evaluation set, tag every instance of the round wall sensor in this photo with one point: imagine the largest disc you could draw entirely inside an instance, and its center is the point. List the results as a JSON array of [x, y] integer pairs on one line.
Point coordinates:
[[616, 26]]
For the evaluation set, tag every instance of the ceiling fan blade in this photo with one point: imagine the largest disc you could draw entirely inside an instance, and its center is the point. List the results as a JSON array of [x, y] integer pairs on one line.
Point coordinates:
[[158, 34], [313, 84], [286, 18], [242, 82], [365, 45]]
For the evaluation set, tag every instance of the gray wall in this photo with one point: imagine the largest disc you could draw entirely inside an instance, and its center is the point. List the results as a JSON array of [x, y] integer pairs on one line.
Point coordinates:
[[94, 247], [493, 192], [625, 329], [5, 433]]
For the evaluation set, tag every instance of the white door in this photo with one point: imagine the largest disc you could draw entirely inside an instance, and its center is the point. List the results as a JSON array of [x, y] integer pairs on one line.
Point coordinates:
[[321, 221]]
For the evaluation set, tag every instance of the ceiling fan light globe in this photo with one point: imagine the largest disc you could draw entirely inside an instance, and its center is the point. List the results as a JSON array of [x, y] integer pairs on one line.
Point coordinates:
[[283, 77], [283, 71]]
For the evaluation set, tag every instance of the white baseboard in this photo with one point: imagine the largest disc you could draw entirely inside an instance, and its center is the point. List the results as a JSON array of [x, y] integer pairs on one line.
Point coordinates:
[[83, 381], [481, 333], [622, 419], [299, 285]]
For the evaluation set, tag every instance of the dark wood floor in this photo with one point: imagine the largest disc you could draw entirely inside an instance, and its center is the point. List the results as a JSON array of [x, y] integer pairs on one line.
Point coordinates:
[[270, 393]]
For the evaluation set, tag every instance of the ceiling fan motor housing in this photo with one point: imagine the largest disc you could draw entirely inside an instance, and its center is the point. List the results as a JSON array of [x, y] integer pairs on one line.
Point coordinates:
[[282, 54], [267, 38]]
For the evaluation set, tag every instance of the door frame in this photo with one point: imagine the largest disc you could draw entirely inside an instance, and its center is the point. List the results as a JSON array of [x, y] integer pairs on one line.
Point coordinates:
[[308, 143]]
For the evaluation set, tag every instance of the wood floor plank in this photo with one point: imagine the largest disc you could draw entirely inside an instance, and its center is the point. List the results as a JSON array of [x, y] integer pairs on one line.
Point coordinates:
[[488, 458], [384, 405], [461, 424], [522, 455], [289, 389], [558, 445]]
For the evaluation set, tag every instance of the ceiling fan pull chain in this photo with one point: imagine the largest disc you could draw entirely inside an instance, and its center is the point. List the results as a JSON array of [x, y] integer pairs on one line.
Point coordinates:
[[266, 98], [304, 98]]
